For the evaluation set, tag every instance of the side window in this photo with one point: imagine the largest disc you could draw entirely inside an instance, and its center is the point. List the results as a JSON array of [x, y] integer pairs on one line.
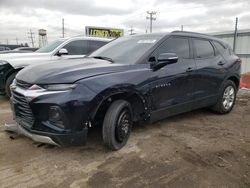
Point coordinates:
[[220, 47], [180, 46], [78, 47], [94, 45], [204, 49]]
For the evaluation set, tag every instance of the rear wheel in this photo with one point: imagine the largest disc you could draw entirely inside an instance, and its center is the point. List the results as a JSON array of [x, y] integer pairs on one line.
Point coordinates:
[[226, 98], [8, 83], [117, 124]]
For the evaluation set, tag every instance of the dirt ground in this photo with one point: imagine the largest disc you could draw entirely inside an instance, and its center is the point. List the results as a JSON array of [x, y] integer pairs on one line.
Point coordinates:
[[196, 149]]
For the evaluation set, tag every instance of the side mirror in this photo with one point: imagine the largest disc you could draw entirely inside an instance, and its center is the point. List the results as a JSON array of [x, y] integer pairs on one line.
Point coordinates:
[[163, 60], [62, 51]]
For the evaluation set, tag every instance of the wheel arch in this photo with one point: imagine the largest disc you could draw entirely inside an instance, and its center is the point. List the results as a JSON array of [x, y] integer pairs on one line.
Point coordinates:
[[235, 79], [11, 72], [137, 101]]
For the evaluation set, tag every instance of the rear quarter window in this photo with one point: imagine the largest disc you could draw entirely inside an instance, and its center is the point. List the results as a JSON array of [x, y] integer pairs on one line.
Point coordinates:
[[221, 48]]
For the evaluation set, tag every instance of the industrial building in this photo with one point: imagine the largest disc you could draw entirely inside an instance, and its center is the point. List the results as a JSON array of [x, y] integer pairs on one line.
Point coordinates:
[[242, 45]]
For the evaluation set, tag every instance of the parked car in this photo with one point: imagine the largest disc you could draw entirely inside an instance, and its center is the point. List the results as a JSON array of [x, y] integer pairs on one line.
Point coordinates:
[[25, 49], [140, 78], [4, 48], [19, 50], [65, 48]]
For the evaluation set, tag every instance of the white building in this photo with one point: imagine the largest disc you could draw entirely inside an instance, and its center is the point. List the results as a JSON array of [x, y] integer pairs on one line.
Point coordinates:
[[242, 45]]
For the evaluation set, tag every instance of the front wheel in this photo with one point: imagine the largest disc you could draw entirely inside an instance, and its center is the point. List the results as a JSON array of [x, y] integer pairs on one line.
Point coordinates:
[[117, 124], [226, 98]]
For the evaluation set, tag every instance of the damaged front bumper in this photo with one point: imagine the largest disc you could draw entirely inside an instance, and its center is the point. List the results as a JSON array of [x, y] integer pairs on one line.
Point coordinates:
[[76, 138], [37, 138]]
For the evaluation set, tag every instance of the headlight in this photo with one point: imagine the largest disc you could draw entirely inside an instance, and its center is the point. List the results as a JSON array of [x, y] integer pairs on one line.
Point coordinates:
[[3, 62], [59, 87]]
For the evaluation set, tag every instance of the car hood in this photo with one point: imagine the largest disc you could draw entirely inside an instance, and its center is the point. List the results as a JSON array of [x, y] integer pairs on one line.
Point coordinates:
[[68, 71], [17, 60]]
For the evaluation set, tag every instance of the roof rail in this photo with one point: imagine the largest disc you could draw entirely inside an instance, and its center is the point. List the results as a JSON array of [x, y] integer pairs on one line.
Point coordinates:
[[190, 32]]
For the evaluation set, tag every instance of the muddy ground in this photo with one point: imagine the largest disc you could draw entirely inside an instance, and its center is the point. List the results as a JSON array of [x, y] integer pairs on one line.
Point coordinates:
[[196, 149]]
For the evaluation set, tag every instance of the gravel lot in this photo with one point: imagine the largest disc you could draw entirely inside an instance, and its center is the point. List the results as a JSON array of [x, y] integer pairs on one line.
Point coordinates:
[[196, 149]]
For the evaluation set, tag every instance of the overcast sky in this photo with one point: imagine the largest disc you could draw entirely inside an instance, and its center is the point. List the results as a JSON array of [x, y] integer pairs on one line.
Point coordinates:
[[17, 17]]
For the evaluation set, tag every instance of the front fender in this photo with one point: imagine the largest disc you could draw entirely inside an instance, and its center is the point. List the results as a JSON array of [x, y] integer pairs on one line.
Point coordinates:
[[124, 91]]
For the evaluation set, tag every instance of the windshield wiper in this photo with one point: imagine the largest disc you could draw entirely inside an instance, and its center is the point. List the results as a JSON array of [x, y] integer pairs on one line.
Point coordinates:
[[104, 58]]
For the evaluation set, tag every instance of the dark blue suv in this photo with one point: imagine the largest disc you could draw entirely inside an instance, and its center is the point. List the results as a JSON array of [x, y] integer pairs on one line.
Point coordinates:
[[140, 78]]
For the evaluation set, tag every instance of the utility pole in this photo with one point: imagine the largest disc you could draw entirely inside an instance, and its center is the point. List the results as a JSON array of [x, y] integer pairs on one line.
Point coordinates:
[[235, 34], [31, 37], [7, 41], [16, 40], [131, 30], [151, 18], [182, 27], [63, 28]]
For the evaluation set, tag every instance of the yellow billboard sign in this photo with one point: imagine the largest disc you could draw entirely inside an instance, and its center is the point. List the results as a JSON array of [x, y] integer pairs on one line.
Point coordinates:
[[103, 32]]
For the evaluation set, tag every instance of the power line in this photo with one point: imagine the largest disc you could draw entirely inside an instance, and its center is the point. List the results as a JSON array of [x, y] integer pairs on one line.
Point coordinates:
[[151, 18], [31, 37]]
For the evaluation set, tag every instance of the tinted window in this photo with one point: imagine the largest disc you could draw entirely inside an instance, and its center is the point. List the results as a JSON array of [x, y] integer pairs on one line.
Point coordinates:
[[180, 46], [94, 45], [78, 47], [204, 49], [220, 47]]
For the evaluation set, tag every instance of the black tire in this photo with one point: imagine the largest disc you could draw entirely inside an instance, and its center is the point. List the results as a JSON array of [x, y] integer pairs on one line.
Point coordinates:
[[117, 125], [219, 107], [8, 83]]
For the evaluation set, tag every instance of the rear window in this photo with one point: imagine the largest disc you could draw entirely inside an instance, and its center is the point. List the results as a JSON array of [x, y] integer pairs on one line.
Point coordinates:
[[204, 49]]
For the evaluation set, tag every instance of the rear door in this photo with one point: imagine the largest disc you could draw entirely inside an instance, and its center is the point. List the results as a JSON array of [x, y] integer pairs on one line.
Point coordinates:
[[209, 69]]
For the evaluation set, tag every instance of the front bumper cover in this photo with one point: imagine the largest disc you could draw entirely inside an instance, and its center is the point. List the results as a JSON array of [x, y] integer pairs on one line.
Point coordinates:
[[77, 138]]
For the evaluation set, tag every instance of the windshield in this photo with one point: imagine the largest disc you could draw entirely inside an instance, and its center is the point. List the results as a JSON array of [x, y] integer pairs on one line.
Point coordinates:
[[50, 47], [127, 50]]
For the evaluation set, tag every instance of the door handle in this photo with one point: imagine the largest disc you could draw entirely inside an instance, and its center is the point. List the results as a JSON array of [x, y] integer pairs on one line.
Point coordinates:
[[189, 69], [221, 63]]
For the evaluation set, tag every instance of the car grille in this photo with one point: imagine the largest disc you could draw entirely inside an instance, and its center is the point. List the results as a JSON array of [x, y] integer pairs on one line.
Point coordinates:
[[23, 113], [23, 84]]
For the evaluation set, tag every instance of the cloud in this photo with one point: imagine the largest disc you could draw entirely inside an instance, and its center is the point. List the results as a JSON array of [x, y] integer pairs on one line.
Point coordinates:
[[79, 7], [18, 16]]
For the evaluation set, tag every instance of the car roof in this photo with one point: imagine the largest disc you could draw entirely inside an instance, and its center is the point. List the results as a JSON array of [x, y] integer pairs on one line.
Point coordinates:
[[87, 38]]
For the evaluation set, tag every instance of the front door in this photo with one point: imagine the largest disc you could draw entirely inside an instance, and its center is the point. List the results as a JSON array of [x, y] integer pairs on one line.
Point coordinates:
[[76, 49], [172, 85]]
